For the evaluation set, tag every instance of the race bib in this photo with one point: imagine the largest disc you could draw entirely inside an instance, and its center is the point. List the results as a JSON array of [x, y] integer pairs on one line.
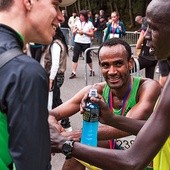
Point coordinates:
[[116, 35], [111, 35], [125, 142]]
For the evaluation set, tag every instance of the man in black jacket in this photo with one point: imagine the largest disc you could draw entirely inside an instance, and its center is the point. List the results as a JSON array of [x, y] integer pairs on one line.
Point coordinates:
[[24, 130]]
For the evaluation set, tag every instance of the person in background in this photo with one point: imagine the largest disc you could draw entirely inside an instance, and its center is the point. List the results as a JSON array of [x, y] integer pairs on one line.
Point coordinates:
[[35, 50], [83, 32], [116, 28], [164, 70], [143, 26], [24, 128], [90, 17], [100, 25], [96, 20], [146, 60], [154, 134], [65, 27], [54, 60], [71, 23], [142, 21]]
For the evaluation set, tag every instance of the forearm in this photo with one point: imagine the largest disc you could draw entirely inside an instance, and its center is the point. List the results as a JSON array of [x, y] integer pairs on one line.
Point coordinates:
[[129, 125], [107, 132], [58, 114], [63, 111], [95, 156], [90, 33]]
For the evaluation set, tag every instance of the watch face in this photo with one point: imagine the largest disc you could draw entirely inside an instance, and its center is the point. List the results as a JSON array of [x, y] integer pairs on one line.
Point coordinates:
[[67, 148]]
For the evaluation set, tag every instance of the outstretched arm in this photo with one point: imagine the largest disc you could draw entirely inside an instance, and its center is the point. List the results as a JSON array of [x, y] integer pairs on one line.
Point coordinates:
[[147, 98], [148, 142], [107, 117]]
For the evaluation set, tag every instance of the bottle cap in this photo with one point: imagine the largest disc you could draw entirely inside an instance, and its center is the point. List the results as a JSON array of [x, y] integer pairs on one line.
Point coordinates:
[[93, 93]]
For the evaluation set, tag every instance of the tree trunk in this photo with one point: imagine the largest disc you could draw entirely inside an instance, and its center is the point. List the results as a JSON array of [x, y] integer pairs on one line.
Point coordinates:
[[79, 6], [110, 4], [132, 22], [115, 6], [89, 5]]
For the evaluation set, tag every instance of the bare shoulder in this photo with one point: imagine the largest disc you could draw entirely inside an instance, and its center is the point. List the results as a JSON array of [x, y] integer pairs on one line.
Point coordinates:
[[99, 87], [149, 83], [149, 86]]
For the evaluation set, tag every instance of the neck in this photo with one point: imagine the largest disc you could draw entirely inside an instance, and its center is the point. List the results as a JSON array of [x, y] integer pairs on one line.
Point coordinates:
[[122, 91]]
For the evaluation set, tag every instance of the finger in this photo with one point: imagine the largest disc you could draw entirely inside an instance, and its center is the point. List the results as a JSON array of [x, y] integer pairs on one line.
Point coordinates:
[[83, 103]]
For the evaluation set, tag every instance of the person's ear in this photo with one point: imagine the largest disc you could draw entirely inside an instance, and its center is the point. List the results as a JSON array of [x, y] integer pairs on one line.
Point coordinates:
[[131, 63], [28, 4]]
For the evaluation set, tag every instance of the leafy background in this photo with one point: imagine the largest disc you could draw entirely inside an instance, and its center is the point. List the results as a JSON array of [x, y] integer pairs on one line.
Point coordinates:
[[128, 9]]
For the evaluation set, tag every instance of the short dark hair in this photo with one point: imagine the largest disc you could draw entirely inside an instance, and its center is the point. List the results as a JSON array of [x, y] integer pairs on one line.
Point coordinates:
[[85, 14], [60, 36], [5, 4], [116, 41]]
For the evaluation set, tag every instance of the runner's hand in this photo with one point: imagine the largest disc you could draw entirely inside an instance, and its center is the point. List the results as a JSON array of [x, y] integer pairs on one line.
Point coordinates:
[[106, 116]]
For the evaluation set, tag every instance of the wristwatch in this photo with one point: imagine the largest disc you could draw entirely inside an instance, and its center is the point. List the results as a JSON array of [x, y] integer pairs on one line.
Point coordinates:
[[67, 148]]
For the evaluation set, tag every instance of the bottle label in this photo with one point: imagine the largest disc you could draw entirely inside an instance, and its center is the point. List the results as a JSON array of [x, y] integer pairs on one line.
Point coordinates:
[[91, 115]]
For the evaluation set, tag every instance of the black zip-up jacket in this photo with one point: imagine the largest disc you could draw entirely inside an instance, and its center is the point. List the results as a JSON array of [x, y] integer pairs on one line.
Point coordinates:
[[23, 97]]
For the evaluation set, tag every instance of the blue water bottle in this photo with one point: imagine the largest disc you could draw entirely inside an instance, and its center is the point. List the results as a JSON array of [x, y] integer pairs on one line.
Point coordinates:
[[90, 121]]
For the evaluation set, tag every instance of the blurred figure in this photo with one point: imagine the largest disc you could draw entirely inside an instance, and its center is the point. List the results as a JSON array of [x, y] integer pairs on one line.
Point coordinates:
[[142, 21], [116, 28], [71, 24], [65, 27], [54, 60], [146, 60], [90, 17], [100, 25], [83, 32], [35, 50], [164, 70]]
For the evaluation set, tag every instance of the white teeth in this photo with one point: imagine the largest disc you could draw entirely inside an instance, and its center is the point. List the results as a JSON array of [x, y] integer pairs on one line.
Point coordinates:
[[113, 79]]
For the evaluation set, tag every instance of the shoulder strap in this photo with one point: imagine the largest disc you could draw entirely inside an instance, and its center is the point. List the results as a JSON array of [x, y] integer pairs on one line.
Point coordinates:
[[9, 55]]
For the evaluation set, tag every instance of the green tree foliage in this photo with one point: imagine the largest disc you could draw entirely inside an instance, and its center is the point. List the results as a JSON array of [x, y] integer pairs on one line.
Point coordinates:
[[128, 9]]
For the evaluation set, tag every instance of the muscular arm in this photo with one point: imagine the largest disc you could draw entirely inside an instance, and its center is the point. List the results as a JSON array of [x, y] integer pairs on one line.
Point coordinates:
[[147, 96], [148, 142], [72, 106]]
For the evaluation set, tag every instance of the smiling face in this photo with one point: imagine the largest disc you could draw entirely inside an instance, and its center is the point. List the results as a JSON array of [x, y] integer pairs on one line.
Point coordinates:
[[43, 18], [115, 66], [158, 34]]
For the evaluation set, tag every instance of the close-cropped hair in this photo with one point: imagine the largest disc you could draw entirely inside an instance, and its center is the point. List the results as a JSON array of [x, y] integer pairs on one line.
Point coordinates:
[[117, 41], [5, 4]]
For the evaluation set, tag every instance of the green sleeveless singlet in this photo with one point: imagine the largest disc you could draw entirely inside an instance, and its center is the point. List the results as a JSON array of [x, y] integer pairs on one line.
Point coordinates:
[[132, 99]]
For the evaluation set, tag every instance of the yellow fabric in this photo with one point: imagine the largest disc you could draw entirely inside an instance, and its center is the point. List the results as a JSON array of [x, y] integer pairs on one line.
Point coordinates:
[[90, 167], [162, 159]]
